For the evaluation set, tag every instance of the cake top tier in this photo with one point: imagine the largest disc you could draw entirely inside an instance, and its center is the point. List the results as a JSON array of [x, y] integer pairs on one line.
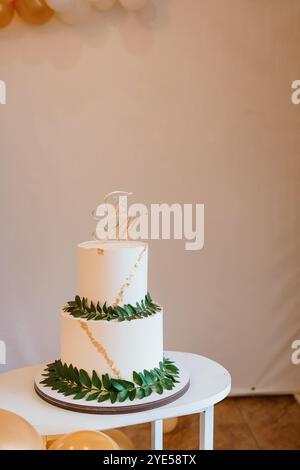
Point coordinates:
[[113, 271]]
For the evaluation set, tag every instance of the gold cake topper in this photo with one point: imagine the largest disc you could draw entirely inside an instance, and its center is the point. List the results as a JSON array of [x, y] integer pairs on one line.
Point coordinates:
[[114, 223]]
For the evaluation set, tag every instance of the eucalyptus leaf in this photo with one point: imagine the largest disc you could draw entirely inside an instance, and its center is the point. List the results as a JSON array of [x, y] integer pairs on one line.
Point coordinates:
[[117, 385], [72, 391], [132, 394], [84, 378], [96, 382], [167, 384], [158, 388], [147, 391], [140, 393], [137, 378], [80, 395], [126, 384], [106, 382], [172, 368], [123, 395], [149, 378], [113, 396], [93, 396], [104, 397]]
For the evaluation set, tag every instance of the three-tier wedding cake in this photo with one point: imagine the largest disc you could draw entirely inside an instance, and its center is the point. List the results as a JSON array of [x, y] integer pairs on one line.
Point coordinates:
[[112, 332]]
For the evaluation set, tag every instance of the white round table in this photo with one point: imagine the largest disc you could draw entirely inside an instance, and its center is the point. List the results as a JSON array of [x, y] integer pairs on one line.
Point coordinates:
[[209, 384]]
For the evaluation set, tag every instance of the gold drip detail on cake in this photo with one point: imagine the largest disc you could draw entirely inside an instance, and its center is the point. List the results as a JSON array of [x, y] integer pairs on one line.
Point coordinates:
[[100, 348], [128, 280]]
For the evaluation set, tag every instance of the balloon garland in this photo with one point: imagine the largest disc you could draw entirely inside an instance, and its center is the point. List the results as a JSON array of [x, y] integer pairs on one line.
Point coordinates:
[[6, 13], [39, 12]]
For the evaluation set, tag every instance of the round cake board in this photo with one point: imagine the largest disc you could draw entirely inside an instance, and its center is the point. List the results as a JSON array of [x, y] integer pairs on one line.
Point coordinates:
[[82, 406]]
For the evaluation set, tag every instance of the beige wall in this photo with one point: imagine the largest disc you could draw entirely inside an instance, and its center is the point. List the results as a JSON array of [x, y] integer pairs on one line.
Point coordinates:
[[187, 101]]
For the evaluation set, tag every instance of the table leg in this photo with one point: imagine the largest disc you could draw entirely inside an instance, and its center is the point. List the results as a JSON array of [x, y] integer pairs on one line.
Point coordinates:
[[207, 429], [157, 435]]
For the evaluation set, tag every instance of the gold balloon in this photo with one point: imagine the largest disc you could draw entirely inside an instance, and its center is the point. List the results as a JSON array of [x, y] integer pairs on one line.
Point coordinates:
[[85, 440], [121, 439], [35, 12], [50, 439], [18, 434], [169, 425], [7, 11]]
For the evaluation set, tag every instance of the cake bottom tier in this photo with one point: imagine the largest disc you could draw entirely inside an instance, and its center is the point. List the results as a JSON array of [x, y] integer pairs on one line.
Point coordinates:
[[112, 347]]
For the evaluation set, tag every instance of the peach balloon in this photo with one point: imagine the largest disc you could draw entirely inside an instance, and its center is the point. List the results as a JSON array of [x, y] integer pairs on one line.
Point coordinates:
[[120, 438], [85, 440], [35, 12], [169, 425], [6, 13], [17, 434]]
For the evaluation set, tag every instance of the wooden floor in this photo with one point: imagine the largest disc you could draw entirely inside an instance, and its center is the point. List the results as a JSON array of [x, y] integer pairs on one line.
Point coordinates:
[[240, 423]]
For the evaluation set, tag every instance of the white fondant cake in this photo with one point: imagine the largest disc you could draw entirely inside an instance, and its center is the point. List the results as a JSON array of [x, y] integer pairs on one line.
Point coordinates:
[[104, 268], [115, 273], [134, 345], [112, 331]]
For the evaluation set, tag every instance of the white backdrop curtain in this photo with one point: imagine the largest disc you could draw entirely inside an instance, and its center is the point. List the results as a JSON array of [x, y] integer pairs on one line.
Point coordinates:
[[189, 101]]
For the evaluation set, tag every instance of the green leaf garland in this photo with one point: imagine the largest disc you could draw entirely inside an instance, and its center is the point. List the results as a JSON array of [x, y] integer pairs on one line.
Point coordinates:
[[67, 380], [83, 308]]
